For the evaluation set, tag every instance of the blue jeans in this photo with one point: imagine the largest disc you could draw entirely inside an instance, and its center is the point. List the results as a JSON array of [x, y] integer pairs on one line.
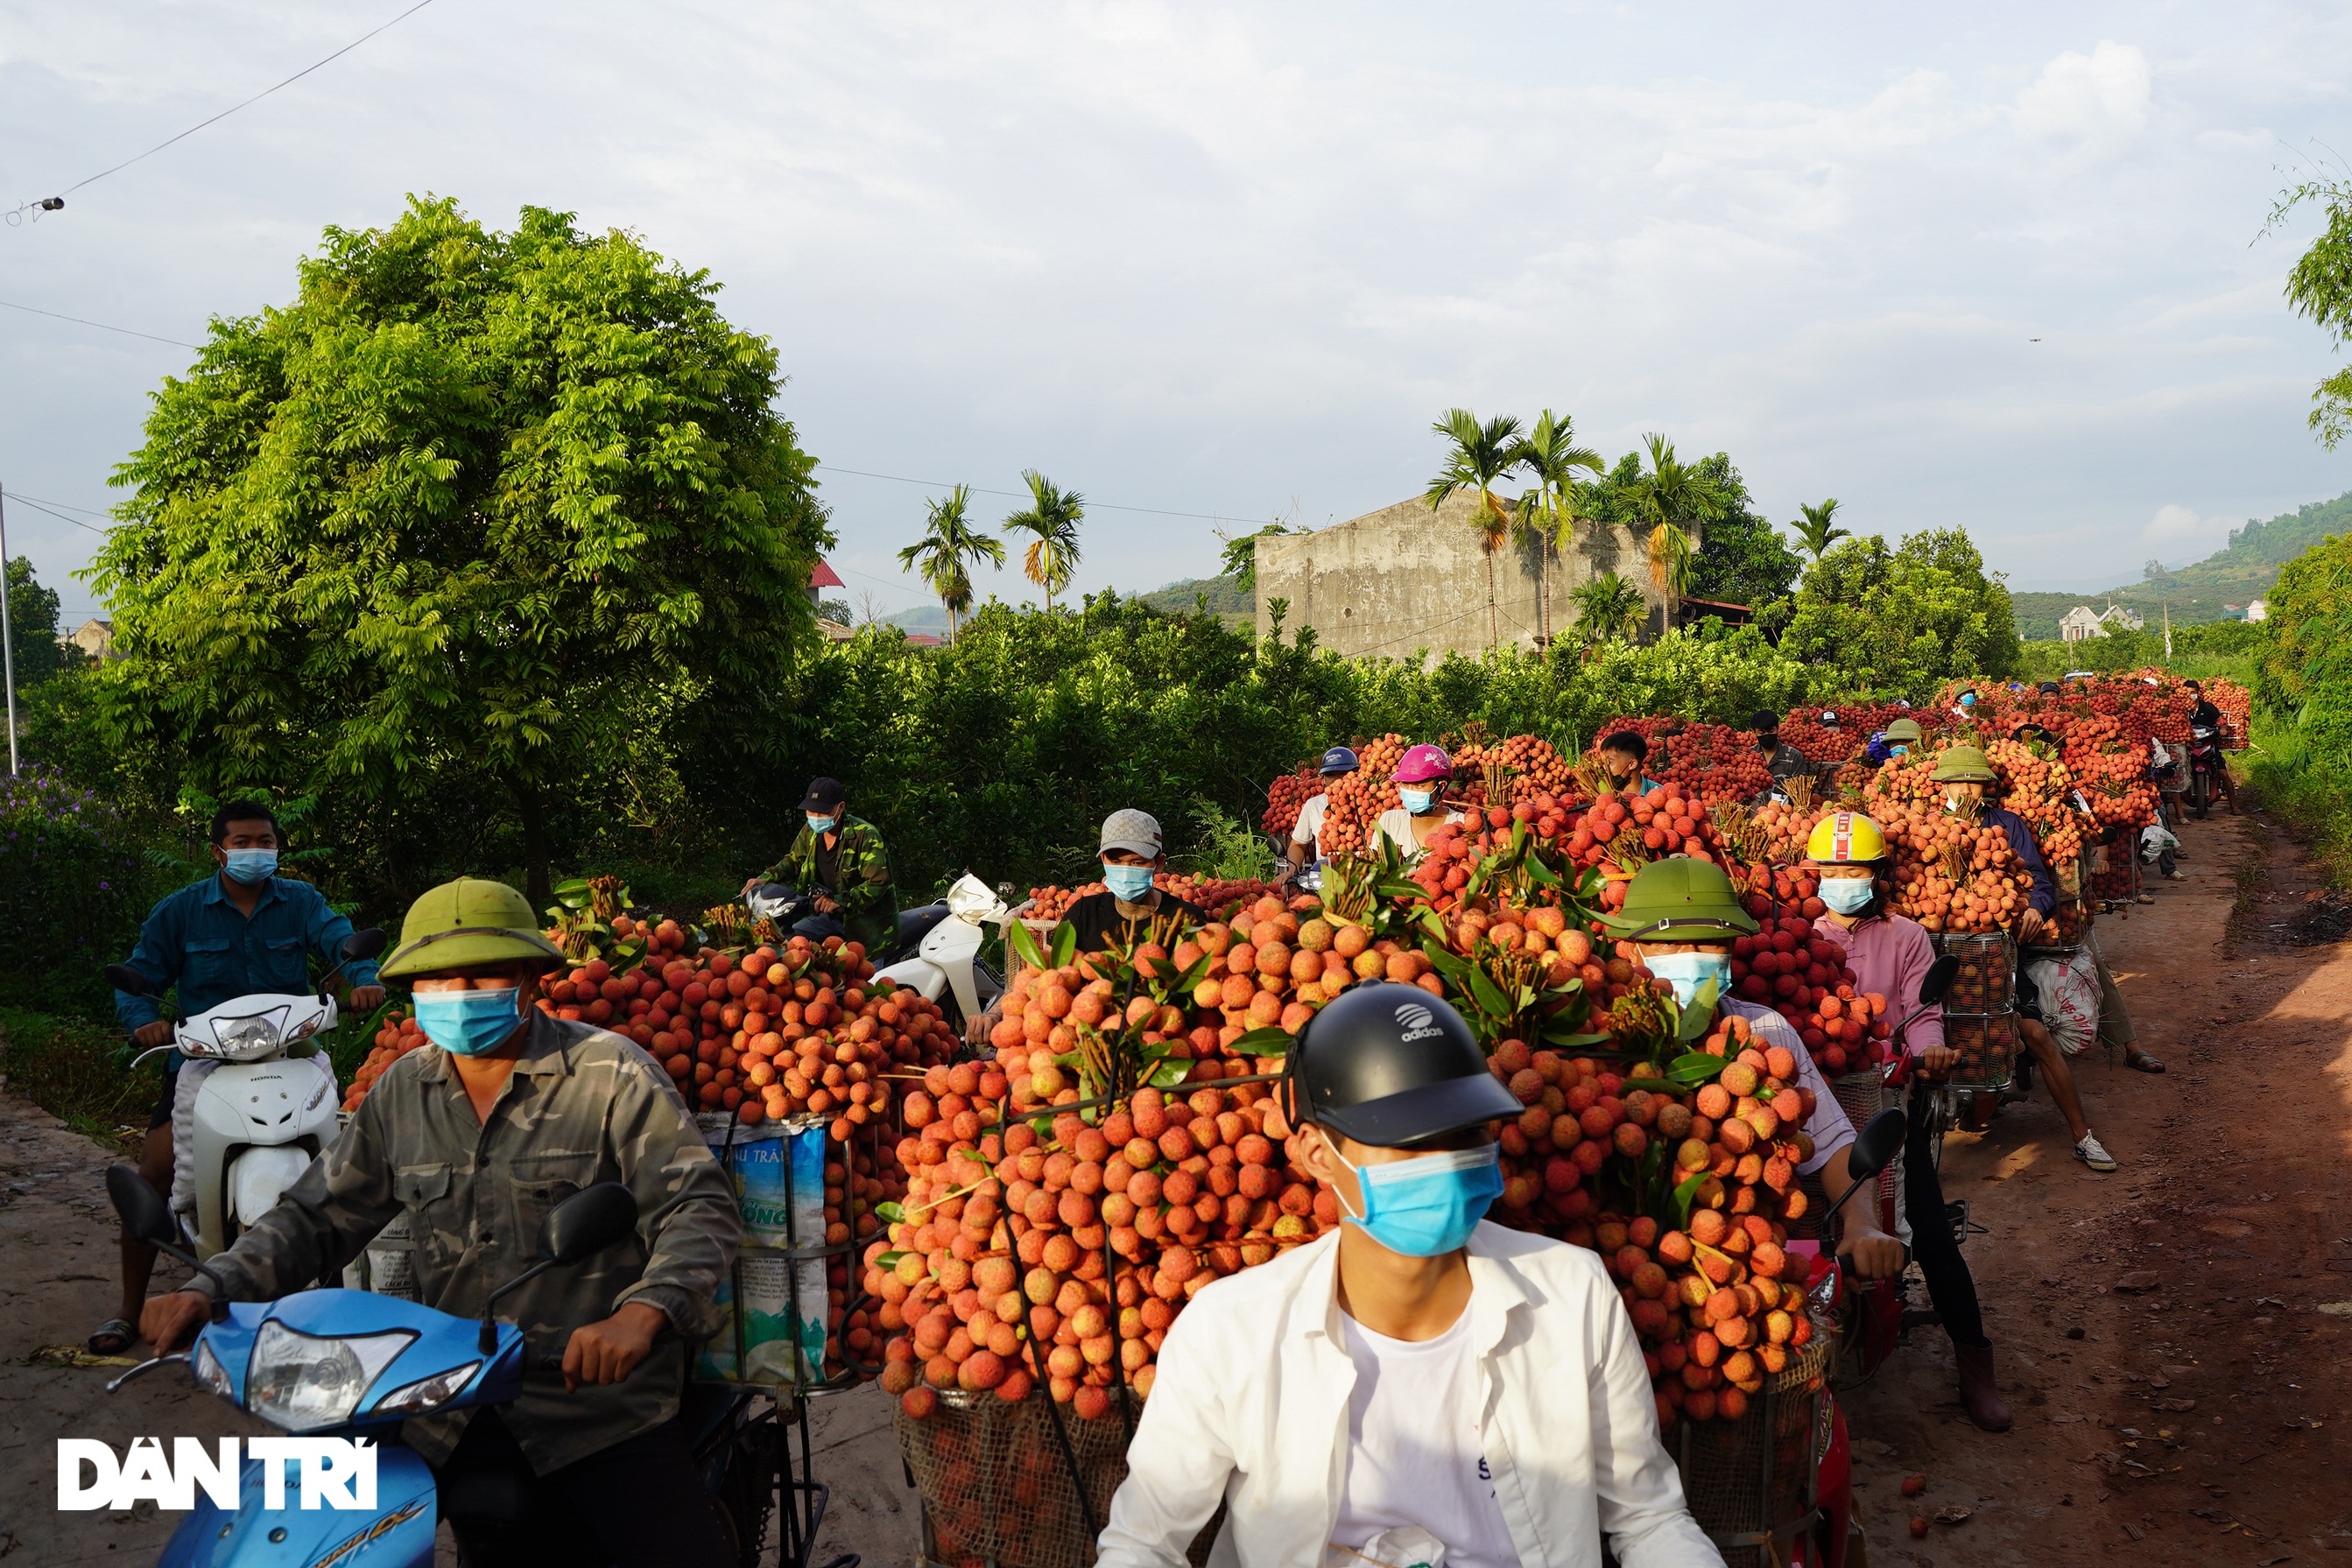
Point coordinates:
[[817, 927]]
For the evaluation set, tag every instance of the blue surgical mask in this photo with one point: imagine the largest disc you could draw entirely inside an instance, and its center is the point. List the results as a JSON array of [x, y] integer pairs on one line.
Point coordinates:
[[1428, 1206], [468, 1022], [1417, 801], [251, 867], [1846, 895], [1969, 700], [819, 825], [1898, 750], [1128, 882], [1686, 972]]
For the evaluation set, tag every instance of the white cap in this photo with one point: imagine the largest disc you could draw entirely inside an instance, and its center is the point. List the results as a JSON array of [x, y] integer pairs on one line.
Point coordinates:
[[1133, 830]]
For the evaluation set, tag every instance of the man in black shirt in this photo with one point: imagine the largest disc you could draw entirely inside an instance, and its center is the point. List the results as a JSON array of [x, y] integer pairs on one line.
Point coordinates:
[[1784, 761], [2204, 714], [1128, 903]]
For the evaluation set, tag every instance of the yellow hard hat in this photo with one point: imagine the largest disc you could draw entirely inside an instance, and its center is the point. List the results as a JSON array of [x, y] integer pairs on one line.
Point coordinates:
[[468, 922], [1846, 838]]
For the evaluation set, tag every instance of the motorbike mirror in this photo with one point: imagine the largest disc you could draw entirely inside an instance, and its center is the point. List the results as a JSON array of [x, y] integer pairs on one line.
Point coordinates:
[[365, 943], [588, 1221], [1875, 1146], [128, 981], [1939, 978], [144, 1210]]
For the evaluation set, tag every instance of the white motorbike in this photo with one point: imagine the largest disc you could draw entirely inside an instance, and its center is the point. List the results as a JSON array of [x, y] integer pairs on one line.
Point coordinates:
[[255, 1115], [946, 960]]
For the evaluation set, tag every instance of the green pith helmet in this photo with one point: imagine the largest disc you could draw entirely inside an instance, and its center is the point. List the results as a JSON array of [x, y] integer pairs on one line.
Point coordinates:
[[1964, 765], [466, 922], [1905, 730], [1681, 900]]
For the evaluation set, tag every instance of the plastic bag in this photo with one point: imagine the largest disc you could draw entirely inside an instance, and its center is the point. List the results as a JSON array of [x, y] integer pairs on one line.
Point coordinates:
[[2069, 1000], [2154, 839], [1403, 1546]]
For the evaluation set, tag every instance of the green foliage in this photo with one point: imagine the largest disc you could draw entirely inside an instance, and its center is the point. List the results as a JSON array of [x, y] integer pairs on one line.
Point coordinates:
[[1229, 847], [2319, 286], [407, 543], [74, 885], [2217, 648], [1237, 562], [1816, 532], [71, 1067], [950, 547], [2304, 674], [1898, 622], [2289, 778], [33, 629], [1608, 608]]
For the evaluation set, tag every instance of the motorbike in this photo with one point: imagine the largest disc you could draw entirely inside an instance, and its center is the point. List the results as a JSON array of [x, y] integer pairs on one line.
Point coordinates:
[[945, 960], [349, 1363], [264, 1102], [2204, 765]]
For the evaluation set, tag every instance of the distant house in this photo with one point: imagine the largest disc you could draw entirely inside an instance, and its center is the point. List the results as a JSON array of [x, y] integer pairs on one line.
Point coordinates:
[[2117, 617], [823, 576], [2080, 624], [834, 631], [95, 639], [2232, 612], [2258, 610]]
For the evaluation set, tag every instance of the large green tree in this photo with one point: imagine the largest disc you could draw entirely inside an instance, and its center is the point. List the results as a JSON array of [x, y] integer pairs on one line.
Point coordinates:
[[948, 550], [2319, 287], [441, 534], [1550, 511], [1052, 519], [32, 628], [1896, 623], [1477, 455]]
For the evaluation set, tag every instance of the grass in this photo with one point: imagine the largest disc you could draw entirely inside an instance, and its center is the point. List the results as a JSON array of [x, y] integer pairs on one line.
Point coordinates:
[[2315, 800], [73, 1068]]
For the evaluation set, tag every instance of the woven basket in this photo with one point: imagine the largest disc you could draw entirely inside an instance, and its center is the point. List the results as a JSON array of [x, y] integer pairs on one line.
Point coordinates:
[[1750, 1483]]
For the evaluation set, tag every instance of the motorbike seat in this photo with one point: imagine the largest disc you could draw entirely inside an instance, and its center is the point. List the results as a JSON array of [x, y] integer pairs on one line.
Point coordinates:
[[913, 924]]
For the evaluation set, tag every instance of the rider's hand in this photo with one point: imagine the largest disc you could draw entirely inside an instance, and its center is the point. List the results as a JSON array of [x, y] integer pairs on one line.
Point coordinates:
[[366, 999], [826, 905], [1876, 1255], [2030, 923], [610, 1351], [165, 1319], [749, 884], [1936, 1060], [977, 1030], [149, 1035]]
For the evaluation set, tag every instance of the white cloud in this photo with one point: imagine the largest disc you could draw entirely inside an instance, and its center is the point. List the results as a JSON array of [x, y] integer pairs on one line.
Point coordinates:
[[2173, 524], [2099, 101]]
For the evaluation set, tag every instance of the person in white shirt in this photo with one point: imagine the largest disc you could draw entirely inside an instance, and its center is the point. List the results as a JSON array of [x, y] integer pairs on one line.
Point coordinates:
[[1418, 1377], [1303, 850]]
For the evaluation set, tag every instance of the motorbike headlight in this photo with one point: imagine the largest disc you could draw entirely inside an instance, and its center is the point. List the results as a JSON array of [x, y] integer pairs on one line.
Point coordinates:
[[301, 1381], [257, 1032], [210, 1374], [426, 1392]]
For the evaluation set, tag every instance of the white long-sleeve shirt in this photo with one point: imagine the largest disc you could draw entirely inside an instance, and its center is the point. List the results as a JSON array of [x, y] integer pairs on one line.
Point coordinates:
[[1250, 1408]]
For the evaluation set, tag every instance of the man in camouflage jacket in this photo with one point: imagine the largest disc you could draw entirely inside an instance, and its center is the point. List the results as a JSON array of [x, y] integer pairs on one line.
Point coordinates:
[[475, 1138], [840, 859]]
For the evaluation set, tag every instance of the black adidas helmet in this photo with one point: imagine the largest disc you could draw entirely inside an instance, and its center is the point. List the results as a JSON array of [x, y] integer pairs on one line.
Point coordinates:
[[1392, 1066]]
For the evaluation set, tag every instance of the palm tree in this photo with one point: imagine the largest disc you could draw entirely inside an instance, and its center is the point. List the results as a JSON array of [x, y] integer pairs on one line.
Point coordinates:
[[1815, 532], [1547, 512], [1608, 608], [1481, 454], [1052, 514], [947, 552], [1674, 498]]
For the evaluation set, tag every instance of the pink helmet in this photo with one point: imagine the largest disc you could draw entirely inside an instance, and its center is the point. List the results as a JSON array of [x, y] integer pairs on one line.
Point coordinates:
[[1421, 764]]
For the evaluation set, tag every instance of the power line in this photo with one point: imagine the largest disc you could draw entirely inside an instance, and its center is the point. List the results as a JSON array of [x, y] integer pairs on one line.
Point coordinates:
[[59, 516], [52, 203], [1023, 496], [68, 506], [102, 326]]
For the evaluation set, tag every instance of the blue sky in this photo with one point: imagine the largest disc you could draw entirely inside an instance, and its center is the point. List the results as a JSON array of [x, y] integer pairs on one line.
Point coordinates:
[[1232, 261]]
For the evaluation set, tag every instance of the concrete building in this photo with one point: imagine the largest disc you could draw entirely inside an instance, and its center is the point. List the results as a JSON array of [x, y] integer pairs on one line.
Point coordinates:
[[95, 638], [2258, 610], [2082, 622], [1406, 578]]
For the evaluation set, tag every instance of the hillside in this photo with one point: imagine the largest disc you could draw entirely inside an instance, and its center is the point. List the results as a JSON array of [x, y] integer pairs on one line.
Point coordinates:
[[1223, 597], [2240, 571]]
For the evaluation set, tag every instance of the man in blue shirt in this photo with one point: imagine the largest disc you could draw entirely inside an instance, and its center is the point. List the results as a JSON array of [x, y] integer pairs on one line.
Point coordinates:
[[242, 930]]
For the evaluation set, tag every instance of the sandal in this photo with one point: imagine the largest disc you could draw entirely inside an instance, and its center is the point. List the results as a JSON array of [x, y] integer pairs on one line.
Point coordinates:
[[2140, 1061], [114, 1336]]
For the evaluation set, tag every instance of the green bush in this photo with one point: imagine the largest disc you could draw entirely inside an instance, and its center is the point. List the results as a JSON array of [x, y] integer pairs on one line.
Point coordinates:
[[74, 885], [74, 1068]]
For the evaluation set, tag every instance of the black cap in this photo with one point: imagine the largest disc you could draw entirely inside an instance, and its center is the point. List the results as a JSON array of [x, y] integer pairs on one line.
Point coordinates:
[[823, 794], [1393, 1066]]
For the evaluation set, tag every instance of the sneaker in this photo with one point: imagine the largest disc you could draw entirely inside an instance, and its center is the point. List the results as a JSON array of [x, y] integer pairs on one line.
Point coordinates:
[[2092, 1153], [2176, 876]]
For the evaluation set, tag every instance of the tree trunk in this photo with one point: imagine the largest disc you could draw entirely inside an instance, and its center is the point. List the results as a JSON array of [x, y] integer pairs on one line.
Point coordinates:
[[541, 887], [1494, 627]]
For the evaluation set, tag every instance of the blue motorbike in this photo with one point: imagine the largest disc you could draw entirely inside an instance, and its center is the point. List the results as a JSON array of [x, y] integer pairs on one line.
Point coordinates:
[[352, 1365]]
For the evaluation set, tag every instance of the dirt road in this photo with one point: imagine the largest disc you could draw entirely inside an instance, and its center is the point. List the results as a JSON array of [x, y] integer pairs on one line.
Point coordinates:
[[2176, 1338]]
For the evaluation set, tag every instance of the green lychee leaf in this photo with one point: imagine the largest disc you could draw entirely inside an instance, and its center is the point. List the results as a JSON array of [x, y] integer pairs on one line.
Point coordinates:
[[1683, 1195], [1694, 1069], [893, 1212], [1266, 1041]]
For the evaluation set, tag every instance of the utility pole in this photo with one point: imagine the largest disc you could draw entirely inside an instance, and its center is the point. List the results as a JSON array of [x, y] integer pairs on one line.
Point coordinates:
[[7, 636], [2168, 631]]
